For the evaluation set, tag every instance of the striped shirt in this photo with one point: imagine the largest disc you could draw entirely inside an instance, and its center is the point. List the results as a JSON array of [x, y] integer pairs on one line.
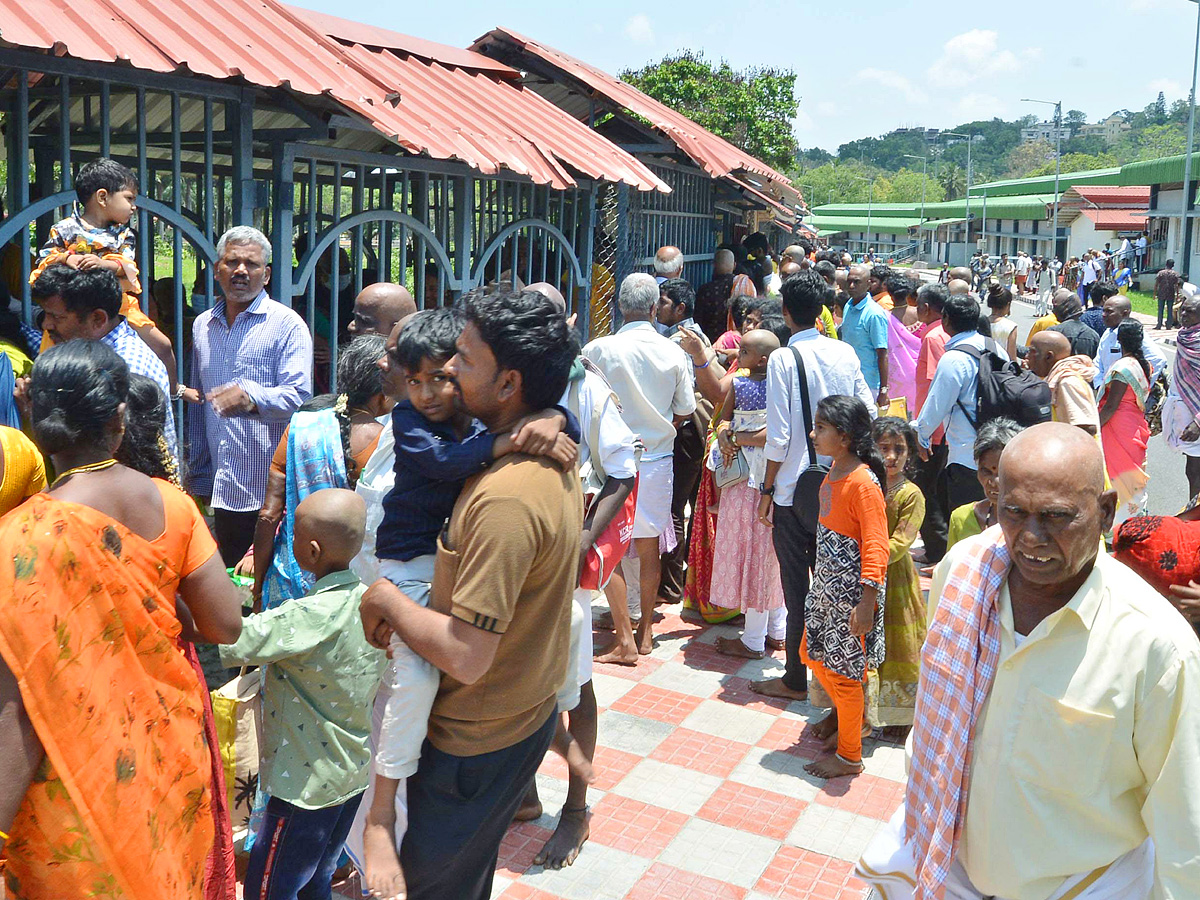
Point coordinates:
[[143, 361], [268, 354]]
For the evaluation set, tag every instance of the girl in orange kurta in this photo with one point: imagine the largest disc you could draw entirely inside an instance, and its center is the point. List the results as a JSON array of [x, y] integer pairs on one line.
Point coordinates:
[[843, 629]]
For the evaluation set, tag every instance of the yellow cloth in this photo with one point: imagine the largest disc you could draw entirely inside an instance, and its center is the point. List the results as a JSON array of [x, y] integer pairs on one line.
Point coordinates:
[[1089, 741], [24, 471], [22, 365], [826, 319], [1047, 321]]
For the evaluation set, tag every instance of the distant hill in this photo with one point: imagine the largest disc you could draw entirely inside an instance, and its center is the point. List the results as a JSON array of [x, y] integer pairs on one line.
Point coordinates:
[[1160, 129]]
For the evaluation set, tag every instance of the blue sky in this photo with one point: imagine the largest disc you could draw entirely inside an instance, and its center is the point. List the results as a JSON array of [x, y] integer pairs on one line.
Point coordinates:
[[865, 66]]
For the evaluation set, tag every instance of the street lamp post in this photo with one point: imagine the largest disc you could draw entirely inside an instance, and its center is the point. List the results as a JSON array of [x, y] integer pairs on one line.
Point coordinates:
[[970, 142], [1185, 222], [924, 167], [1057, 104]]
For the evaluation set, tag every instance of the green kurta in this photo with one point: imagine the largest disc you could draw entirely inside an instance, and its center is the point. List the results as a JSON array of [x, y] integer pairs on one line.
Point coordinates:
[[317, 692], [903, 610]]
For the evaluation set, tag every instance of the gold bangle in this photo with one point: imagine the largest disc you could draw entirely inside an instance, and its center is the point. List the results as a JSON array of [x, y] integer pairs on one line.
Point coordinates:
[[3, 836]]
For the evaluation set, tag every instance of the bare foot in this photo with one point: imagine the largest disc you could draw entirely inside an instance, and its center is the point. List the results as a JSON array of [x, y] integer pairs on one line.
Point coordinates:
[[616, 654], [531, 806], [833, 767], [568, 839], [774, 687], [831, 741], [644, 638], [728, 646], [826, 727], [384, 878]]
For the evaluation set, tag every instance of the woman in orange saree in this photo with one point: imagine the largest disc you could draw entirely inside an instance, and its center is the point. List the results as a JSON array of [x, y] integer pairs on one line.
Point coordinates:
[[108, 785]]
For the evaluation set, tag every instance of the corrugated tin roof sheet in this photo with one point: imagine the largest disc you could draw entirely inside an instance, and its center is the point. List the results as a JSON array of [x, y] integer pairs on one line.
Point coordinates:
[[1112, 195], [885, 210], [1167, 170], [458, 107], [856, 223], [1117, 219], [713, 154], [1044, 184]]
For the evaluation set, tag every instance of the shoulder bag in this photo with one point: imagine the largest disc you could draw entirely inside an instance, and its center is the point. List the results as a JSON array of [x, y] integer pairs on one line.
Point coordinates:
[[807, 499]]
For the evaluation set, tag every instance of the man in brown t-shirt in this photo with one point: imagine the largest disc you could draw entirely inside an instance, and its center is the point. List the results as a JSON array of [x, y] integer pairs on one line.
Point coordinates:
[[502, 591]]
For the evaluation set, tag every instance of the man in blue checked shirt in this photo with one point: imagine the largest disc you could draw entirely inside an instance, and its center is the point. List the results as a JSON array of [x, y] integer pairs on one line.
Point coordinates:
[[252, 366]]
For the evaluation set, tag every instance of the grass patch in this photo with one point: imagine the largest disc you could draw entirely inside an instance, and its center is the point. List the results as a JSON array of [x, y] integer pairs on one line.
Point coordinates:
[[1143, 302]]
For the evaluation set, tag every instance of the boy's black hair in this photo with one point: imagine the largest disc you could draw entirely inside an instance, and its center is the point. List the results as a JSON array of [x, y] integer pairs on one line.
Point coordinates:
[[106, 174], [430, 334], [777, 327], [803, 295], [679, 290]]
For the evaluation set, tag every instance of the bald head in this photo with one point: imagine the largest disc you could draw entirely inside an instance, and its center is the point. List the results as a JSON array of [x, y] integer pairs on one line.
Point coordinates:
[[1046, 348], [962, 273], [958, 287], [795, 252], [790, 267], [329, 530], [858, 281], [668, 262], [723, 262], [378, 308], [760, 341], [551, 293], [1053, 506]]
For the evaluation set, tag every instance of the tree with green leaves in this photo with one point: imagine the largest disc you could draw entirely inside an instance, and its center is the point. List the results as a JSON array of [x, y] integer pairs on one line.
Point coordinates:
[[1159, 113], [1026, 157], [751, 108], [1075, 119], [953, 181], [1079, 162]]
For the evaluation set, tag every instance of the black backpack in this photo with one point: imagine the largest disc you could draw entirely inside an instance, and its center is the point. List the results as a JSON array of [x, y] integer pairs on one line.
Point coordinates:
[[1005, 389]]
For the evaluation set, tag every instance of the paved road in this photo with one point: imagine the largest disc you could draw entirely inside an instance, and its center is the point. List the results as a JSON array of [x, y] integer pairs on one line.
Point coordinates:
[[1168, 486]]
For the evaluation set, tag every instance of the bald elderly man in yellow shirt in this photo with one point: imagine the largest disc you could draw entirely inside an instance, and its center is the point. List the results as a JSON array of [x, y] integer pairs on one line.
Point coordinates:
[[1055, 752]]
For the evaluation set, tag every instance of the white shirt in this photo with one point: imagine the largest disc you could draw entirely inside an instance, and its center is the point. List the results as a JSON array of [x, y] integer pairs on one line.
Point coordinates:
[[831, 367], [1109, 351], [1023, 264], [653, 379], [604, 433], [1140, 243], [1088, 271], [374, 482]]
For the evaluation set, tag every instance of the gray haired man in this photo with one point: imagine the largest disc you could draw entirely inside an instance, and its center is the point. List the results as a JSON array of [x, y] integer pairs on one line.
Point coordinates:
[[652, 376]]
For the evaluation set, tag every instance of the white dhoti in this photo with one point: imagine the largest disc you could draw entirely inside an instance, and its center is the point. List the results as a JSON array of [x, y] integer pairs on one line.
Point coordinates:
[[887, 866]]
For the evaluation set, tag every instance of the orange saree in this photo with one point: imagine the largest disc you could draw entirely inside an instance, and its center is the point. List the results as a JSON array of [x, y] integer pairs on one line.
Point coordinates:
[[120, 806]]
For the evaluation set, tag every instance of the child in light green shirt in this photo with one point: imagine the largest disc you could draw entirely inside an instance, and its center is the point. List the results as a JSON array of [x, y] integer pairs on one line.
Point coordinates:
[[319, 679]]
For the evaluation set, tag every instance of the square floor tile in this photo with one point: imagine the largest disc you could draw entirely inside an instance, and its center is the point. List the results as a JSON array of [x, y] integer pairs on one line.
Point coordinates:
[[797, 874], [609, 688], [717, 631], [522, 891], [645, 665], [715, 851], [701, 752], [671, 787], [600, 873], [864, 794], [663, 882], [885, 761], [500, 884], [725, 720], [792, 735], [699, 655], [677, 676], [651, 701], [735, 690], [610, 766], [833, 832], [761, 669], [630, 733], [635, 827], [521, 844], [752, 810], [778, 772], [553, 793]]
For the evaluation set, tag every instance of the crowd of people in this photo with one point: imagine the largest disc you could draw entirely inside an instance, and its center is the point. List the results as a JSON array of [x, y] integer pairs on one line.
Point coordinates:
[[426, 543]]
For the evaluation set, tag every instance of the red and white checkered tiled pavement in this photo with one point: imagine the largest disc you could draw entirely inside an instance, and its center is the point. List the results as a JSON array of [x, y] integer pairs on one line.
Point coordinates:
[[701, 790]]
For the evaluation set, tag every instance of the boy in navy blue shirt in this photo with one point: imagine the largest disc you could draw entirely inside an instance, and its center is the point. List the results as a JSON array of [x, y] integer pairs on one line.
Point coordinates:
[[438, 447]]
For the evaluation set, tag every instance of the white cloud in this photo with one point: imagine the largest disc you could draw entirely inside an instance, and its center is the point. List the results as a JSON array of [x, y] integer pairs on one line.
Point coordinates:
[[828, 108], [1170, 88], [639, 29], [981, 106], [803, 121], [975, 55], [892, 81]]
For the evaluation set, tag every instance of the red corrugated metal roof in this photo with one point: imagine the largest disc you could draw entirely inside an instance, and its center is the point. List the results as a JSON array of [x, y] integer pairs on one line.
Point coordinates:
[[713, 154], [444, 110], [1136, 196], [754, 192], [1117, 219]]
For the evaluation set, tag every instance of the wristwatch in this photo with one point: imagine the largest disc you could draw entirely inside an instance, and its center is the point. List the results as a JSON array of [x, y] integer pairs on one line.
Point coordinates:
[[767, 491]]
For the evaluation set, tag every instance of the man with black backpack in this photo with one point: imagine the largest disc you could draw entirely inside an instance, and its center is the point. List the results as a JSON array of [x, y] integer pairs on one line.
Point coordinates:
[[970, 387]]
